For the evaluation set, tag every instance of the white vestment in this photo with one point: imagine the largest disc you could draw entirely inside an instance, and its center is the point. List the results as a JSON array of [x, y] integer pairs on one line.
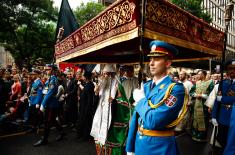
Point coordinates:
[[102, 118], [212, 97]]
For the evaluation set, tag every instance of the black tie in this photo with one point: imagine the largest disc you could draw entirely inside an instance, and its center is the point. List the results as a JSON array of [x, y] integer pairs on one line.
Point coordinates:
[[152, 85]]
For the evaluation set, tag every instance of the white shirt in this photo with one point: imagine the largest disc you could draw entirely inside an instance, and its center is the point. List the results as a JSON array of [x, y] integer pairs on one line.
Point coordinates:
[[160, 80]]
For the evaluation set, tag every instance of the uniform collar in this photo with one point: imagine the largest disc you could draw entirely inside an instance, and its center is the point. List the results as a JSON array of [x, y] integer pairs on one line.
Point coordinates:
[[160, 80]]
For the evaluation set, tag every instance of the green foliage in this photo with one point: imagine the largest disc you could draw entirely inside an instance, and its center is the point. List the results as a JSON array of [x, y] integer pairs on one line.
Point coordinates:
[[87, 11], [27, 29], [194, 7]]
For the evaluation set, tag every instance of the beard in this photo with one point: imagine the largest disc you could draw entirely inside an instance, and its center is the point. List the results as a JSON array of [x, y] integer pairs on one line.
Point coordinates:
[[105, 82]]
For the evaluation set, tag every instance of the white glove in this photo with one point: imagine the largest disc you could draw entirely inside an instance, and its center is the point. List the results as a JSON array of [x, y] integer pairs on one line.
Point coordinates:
[[130, 153], [37, 106], [79, 82], [214, 122], [138, 94], [218, 98], [42, 108]]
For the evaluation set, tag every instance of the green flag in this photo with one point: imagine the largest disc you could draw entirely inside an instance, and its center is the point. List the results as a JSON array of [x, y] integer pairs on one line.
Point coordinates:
[[66, 20]]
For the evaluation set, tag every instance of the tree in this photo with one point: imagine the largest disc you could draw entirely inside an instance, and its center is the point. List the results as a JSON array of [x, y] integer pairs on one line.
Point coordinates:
[[27, 29], [87, 11], [194, 7]]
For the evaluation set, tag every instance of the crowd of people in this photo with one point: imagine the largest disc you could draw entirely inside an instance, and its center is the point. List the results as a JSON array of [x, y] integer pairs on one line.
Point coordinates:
[[106, 104]]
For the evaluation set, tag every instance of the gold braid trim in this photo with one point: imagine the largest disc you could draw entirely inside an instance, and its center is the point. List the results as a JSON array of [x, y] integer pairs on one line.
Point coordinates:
[[182, 114], [168, 91]]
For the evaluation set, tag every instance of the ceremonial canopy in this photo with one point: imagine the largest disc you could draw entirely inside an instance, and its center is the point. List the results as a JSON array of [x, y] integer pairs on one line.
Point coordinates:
[[114, 35]]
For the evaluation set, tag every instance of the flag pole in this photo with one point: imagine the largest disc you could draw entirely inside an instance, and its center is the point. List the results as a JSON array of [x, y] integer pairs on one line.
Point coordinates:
[[141, 47]]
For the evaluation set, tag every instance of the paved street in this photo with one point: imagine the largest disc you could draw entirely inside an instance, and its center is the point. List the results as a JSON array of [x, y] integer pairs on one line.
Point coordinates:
[[22, 145]]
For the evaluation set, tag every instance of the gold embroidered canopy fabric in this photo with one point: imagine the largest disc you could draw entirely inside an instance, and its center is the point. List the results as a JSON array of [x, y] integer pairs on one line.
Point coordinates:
[[113, 36]]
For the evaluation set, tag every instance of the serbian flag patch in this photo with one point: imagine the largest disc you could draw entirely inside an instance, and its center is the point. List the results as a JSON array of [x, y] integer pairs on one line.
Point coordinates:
[[170, 101]]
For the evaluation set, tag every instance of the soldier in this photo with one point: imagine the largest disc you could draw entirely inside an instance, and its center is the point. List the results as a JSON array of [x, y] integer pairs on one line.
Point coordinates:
[[221, 113], [228, 101], [35, 99], [49, 106], [158, 112]]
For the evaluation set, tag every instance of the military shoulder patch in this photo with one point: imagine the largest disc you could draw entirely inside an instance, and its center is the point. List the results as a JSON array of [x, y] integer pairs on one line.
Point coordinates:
[[170, 101]]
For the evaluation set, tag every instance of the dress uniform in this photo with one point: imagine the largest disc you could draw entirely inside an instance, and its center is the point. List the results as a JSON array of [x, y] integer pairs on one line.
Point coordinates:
[[229, 99], [35, 99], [49, 106], [152, 126], [222, 113]]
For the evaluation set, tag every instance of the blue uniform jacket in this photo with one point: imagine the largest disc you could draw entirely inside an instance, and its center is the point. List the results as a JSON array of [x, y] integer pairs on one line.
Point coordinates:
[[224, 112], [230, 147], [36, 92], [50, 99], [155, 119]]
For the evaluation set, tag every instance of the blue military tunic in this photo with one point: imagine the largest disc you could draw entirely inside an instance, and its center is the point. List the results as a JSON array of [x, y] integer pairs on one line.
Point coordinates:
[[36, 95], [224, 110], [230, 100], [50, 91], [156, 119]]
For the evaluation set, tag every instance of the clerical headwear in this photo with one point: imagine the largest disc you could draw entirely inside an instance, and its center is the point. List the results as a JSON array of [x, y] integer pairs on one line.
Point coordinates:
[[161, 48], [109, 68]]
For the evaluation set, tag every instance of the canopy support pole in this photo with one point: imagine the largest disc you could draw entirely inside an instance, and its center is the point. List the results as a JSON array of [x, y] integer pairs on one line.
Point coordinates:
[[141, 47]]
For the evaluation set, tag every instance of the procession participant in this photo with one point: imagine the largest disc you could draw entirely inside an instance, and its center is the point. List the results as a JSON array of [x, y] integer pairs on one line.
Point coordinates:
[[80, 83], [14, 71], [49, 106], [106, 91], [86, 109], [61, 99], [35, 99], [152, 126], [200, 91], [122, 73], [15, 88], [186, 121], [3, 92], [71, 99], [229, 100], [221, 113], [122, 112]]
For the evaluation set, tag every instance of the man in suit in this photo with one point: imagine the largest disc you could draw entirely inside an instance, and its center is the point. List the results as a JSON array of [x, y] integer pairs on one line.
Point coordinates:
[[71, 99]]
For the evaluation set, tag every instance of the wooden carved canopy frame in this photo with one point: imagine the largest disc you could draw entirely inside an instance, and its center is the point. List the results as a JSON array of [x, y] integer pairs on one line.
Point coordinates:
[[114, 35]]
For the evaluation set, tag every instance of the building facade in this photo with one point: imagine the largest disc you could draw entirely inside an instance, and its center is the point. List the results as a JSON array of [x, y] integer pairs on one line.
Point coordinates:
[[216, 9], [6, 58]]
